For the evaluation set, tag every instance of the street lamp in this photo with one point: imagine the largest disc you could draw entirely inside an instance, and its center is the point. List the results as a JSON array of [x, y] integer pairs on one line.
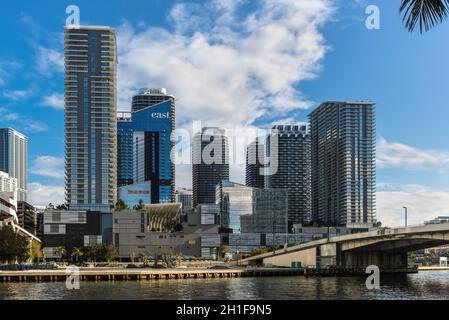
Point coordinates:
[[406, 213]]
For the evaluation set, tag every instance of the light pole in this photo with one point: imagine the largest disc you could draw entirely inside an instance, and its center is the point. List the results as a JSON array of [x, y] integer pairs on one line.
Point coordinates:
[[406, 214]]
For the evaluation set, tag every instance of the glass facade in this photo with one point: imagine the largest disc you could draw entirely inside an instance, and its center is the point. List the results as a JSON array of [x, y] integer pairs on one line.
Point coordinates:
[[255, 160], [145, 149], [289, 146], [90, 117], [210, 164], [235, 201], [245, 210], [343, 138], [270, 211], [14, 159]]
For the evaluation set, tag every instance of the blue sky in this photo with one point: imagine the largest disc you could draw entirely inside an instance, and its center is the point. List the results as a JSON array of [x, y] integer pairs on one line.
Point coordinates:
[[230, 69]]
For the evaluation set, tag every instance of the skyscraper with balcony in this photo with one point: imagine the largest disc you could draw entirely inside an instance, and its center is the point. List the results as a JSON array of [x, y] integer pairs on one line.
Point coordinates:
[[255, 158], [14, 159], [145, 145], [210, 153], [289, 146], [343, 163], [148, 97], [90, 113]]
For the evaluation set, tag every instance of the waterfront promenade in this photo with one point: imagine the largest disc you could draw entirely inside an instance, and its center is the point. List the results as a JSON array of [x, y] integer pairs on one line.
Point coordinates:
[[120, 274]]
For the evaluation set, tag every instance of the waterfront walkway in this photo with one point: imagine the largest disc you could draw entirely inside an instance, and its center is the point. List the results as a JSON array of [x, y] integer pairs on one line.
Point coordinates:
[[110, 274]]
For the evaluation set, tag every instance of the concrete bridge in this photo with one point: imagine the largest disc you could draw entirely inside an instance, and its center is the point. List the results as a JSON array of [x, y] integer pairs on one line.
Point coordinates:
[[386, 248]]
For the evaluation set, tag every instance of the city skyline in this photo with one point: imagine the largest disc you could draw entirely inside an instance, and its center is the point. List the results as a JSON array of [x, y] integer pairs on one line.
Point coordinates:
[[406, 152]]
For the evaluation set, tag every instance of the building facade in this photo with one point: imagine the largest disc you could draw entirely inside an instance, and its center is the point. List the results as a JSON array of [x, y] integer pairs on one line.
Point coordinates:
[[343, 138], [289, 147], [14, 159], [28, 217], [245, 210], [90, 117], [134, 236], [210, 153], [8, 209], [255, 160], [71, 229], [8, 184], [185, 197], [236, 201], [145, 144], [270, 211], [148, 97]]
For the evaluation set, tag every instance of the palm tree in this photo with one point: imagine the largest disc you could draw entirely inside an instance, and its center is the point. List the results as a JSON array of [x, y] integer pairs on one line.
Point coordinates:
[[77, 253], [140, 206], [61, 252], [426, 13]]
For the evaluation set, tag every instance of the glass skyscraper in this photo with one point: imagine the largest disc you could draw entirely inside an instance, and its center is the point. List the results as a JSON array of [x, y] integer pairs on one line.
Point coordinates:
[[210, 165], [91, 110], [14, 159], [255, 158], [289, 147], [145, 145], [343, 138]]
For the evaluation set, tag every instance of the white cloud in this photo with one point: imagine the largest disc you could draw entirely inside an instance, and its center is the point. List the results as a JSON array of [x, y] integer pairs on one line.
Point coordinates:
[[55, 101], [393, 154], [16, 95], [42, 195], [223, 69], [6, 68], [423, 203], [2, 76], [48, 166], [22, 123], [49, 61]]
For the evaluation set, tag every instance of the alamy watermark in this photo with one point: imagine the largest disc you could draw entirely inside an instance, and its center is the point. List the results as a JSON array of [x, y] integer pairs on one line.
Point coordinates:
[[227, 146], [74, 17], [373, 280], [73, 278], [372, 22]]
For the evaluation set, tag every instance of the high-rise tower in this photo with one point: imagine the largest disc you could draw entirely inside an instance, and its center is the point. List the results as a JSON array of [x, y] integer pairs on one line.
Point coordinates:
[[14, 159], [292, 153], [91, 110], [343, 137], [145, 145], [210, 164], [255, 157]]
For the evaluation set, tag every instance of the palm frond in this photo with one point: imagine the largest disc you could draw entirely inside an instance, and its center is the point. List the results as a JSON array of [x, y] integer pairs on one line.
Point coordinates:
[[426, 13]]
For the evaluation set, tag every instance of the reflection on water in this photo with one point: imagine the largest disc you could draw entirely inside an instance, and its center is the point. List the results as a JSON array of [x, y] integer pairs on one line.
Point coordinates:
[[425, 285]]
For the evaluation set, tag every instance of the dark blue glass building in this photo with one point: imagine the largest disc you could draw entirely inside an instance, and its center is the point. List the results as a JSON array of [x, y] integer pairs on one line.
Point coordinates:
[[145, 147]]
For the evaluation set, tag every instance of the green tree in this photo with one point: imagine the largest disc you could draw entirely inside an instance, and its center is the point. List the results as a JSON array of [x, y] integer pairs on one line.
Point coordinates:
[[140, 206], [425, 13], [121, 205], [13, 246], [37, 255], [144, 257], [222, 250], [102, 252], [178, 227], [61, 252], [77, 253], [259, 251]]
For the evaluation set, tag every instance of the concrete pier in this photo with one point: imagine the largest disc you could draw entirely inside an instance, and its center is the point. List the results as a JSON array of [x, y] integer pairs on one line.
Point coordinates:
[[103, 274]]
